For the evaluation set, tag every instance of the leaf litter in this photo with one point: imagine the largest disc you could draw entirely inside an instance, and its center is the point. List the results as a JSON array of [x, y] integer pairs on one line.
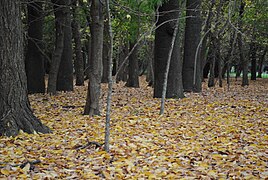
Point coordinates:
[[217, 134]]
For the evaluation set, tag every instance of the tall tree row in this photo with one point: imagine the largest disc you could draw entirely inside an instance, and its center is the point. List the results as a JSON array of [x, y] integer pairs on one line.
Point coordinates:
[[215, 38]]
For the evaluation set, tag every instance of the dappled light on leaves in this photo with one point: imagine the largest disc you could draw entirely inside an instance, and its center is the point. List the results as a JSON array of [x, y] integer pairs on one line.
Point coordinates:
[[217, 134]]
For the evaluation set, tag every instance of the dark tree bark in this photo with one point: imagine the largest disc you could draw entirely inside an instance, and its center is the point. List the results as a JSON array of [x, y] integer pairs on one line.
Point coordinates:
[[59, 45], [241, 47], [229, 56], [206, 70], [15, 112], [133, 67], [252, 50], [89, 56], [206, 31], [191, 72], [150, 70], [34, 60], [261, 60], [79, 60], [133, 60], [105, 54], [85, 7], [163, 37], [216, 63], [65, 74], [219, 62], [211, 79], [95, 69], [123, 52]]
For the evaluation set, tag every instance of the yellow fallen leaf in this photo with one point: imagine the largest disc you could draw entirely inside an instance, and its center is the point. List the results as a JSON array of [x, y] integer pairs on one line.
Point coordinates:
[[23, 176], [5, 171], [106, 174]]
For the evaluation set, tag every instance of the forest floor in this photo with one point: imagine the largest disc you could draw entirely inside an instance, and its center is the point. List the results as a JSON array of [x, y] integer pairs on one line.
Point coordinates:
[[217, 134]]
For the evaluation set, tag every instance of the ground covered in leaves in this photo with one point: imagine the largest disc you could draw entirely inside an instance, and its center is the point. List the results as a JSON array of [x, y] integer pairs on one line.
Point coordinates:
[[218, 134]]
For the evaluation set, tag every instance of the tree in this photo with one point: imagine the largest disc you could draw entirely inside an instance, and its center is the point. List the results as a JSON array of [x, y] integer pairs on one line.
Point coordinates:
[[133, 61], [123, 53], [60, 18], [215, 59], [191, 72], [65, 74], [110, 80], [95, 69], [78, 61], [34, 61], [15, 112], [241, 46], [105, 53], [133, 67], [253, 58], [206, 30], [168, 14], [261, 60], [175, 32]]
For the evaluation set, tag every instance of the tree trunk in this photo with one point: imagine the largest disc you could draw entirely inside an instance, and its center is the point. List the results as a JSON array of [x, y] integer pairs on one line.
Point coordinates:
[[206, 69], [15, 112], [229, 56], [89, 56], [79, 60], [211, 80], [175, 33], [163, 38], [133, 68], [219, 60], [243, 60], [123, 52], [65, 74], [105, 54], [206, 31], [110, 85], [59, 44], [191, 72], [261, 60], [34, 61], [95, 69], [253, 49], [150, 70]]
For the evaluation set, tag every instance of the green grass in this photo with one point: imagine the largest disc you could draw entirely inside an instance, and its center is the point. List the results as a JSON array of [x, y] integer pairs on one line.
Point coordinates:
[[264, 75]]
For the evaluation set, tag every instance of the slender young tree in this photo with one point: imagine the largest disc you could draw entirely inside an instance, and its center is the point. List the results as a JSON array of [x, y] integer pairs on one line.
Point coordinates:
[[162, 107], [15, 111], [95, 69], [34, 61], [110, 80]]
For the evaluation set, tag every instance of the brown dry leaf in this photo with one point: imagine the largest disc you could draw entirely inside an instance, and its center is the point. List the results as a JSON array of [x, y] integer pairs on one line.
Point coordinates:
[[218, 134]]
